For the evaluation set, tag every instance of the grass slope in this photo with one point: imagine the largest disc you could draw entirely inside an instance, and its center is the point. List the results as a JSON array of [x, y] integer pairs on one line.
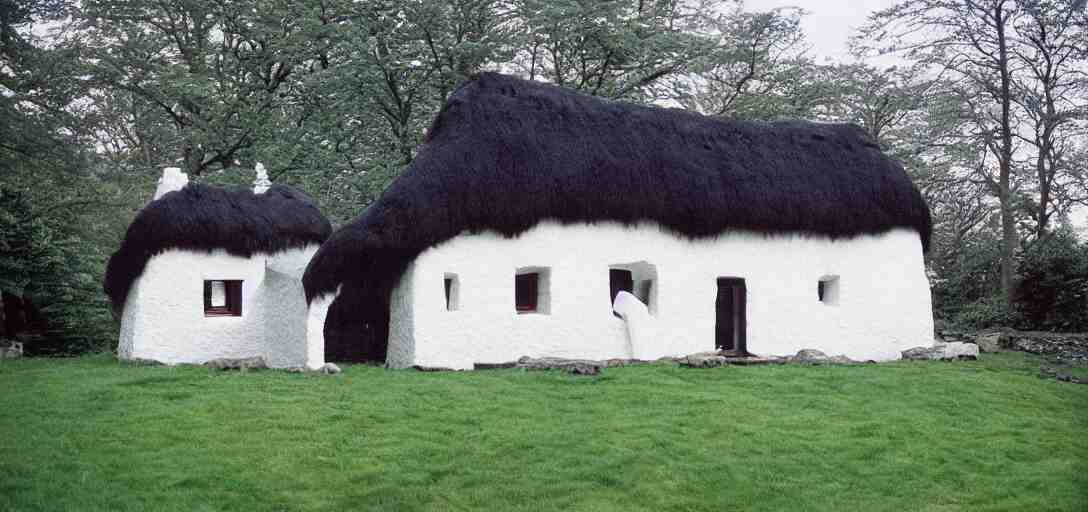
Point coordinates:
[[93, 434]]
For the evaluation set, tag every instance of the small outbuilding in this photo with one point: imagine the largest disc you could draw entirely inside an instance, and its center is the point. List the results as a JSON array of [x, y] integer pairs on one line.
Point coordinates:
[[206, 272], [539, 221]]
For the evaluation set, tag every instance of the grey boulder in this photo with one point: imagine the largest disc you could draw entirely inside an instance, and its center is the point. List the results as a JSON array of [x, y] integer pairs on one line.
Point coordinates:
[[810, 356], [942, 352]]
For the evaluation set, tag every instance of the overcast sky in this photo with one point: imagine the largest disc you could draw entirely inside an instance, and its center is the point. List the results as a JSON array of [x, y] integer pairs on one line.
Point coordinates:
[[829, 23]]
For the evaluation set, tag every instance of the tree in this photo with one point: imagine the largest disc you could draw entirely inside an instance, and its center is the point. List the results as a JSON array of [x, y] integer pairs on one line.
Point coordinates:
[[969, 43], [1052, 92], [755, 68], [610, 48]]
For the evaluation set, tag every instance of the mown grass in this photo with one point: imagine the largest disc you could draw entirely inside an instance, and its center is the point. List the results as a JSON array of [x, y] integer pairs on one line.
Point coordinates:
[[93, 434]]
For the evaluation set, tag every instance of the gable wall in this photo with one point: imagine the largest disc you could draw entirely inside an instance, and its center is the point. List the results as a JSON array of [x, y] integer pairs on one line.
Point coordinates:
[[884, 304]]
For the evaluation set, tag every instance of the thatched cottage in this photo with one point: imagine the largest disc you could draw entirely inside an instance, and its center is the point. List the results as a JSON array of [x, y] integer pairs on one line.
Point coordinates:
[[539, 221], [206, 273]]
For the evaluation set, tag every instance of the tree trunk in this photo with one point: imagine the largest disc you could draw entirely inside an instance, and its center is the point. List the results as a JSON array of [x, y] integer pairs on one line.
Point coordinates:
[[1009, 236]]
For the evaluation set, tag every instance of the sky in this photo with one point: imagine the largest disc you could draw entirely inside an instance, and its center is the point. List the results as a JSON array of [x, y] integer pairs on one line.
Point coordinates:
[[829, 23]]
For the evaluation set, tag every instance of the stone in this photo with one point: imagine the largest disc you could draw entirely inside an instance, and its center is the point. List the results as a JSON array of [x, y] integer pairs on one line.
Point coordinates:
[[704, 360], [1063, 348], [240, 363], [990, 342], [1070, 378], [572, 366], [752, 360], [810, 356], [841, 359], [960, 350], [296, 369], [922, 353], [432, 368], [942, 352], [329, 369], [494, 366], [13, 350]]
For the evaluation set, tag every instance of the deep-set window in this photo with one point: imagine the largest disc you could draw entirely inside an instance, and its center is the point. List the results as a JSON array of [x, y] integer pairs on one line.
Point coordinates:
[[453, 292], [531, 290], [827, 290], [526, 292], [636, 278], [222, 298]]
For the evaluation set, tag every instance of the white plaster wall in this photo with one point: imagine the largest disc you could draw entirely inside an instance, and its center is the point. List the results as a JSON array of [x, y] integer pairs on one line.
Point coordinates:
[[315, 329], [164, 312], [883, 308]]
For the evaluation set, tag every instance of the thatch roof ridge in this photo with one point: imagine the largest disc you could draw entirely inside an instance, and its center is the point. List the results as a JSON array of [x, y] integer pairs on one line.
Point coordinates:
[[204, 218]]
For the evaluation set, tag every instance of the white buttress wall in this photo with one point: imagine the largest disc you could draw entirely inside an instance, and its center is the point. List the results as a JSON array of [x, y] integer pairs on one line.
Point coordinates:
[[883, 305], [164, 312], [282, 303]]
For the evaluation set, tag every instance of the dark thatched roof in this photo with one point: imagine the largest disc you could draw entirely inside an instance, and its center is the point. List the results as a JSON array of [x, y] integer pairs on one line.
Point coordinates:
[[504, 154], [204, 218]]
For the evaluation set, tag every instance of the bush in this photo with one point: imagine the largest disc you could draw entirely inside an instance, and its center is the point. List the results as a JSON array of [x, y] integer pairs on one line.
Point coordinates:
[[1052, 292]]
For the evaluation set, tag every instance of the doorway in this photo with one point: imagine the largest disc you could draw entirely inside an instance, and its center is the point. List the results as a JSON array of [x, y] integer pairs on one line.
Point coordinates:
[[731, 322]]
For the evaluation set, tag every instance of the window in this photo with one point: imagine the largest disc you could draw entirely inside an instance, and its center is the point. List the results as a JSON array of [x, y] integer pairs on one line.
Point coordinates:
[[222, 298], [453, 292], [531, 294], [526, 292], [636, 278], [827, 290]]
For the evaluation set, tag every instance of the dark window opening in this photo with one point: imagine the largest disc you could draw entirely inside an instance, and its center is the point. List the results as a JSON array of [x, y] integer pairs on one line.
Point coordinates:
[[222, 298], [820, 290], [453, 292], [619, 280], [526, 292], [449, 284]]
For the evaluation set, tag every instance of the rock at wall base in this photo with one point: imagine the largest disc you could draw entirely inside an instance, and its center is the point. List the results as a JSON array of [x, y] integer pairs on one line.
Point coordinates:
[[572, 366], [704, 360], [810, 356], [942, 352], [241, 363], [10, 349], [329, 369]]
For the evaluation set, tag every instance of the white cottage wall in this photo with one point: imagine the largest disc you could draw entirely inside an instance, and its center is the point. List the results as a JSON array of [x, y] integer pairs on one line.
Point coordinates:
[[164, 313], [883, 308]]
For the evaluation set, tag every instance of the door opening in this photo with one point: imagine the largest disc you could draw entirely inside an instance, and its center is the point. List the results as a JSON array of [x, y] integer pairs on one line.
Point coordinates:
[[731, 323]]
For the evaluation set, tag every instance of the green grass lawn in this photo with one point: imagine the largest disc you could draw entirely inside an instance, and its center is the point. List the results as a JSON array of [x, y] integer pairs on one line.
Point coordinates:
[[94, 434]]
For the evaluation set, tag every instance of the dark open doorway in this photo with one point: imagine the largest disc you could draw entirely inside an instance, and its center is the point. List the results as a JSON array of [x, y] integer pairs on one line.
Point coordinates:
[[731, 322], [357, 328]]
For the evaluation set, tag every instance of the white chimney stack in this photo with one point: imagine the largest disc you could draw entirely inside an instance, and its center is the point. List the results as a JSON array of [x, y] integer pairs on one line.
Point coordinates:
[[172, 179], [261, 184]]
